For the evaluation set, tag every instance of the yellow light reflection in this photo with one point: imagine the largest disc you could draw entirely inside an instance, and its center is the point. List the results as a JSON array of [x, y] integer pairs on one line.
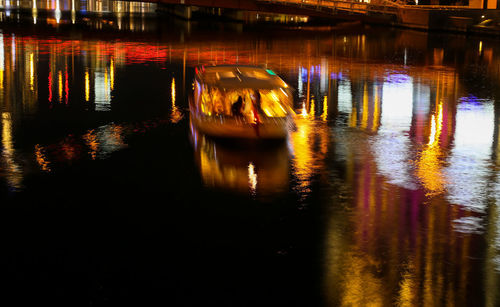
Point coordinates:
[[41, 158], [175, 115], [106, 83], [304, 113], [173, 91], [32, 72], [361, 284], [112, 73], [310, 146], [92, 142], [376, 111], [60, 85], [252, 177], [353, 117], [2, 60], [364, 118], [429, 164], [12, 169], [325, 109], [241, 170], [87, 86]]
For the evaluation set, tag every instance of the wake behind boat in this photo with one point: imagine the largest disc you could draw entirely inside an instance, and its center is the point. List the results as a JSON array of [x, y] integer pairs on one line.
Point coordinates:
[[236, 101]]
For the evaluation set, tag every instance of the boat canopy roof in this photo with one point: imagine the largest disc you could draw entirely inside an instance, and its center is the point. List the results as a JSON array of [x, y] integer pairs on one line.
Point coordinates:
[[240, 76]]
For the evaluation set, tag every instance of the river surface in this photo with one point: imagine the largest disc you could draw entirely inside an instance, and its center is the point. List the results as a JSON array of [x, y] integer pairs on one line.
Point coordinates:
[[386, 193]]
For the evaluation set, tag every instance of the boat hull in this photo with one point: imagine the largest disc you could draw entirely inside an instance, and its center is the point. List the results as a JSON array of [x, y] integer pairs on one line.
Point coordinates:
[[233, 127]]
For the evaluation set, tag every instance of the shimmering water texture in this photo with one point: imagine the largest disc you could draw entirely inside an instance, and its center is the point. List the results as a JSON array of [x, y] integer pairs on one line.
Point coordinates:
[[387, 192]]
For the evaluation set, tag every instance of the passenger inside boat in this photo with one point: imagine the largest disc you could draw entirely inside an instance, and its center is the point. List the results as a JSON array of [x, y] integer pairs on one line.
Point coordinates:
[[236, 107], [252, 104]]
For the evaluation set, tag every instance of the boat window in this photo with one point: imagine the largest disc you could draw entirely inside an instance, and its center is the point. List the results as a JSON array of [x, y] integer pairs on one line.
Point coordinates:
[[255, 74], [271, 104], [216, 101], [226, 75]]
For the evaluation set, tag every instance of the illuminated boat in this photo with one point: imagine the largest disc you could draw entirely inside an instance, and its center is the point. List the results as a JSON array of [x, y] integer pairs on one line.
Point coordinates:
[[235, 101]]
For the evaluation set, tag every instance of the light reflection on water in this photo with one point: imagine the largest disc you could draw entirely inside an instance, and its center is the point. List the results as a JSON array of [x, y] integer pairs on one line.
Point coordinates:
[[406, 154], [259, 171]]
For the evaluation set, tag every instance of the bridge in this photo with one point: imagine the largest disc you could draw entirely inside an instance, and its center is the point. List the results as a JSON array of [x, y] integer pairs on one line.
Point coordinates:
[[394, 12], [340, 9]]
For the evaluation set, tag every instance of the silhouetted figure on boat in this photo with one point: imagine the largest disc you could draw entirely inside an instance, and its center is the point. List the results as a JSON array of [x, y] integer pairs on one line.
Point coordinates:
[[236, 107]]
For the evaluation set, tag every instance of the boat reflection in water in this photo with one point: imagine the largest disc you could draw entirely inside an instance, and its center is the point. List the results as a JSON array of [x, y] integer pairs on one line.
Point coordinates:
[[258, 170]]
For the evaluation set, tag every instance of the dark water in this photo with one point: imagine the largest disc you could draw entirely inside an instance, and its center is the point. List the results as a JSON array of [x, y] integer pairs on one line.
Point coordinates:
[[386, 194]]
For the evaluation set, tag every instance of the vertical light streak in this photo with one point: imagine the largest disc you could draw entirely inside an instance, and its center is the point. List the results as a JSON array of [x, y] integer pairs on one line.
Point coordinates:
[[252, 177], [2, 60], [34, 12], [60, 85], [325, 109], [173, 92], [176, 115], [73, 11], [364, 118], [304, 110], [13, 48], [12, 170], [57, 12], [87, 86], [376, 111], [106, 84], [112, 73], [66, 86], [429, 165], [50, 86], [32, 72]]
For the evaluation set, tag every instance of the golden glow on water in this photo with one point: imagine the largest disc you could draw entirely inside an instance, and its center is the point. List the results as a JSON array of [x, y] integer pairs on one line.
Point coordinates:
[[176, 114], [353, 118], [429, 164], [252, 177], [173, 92], [364, 118], [32, 72], [304, 112], [41, 158], [361, 284], [12, 170], [376, 110], [60, 85], [324, 115], [87, 86], [92, 142], [106, 84], [254, 171], [112, 73]]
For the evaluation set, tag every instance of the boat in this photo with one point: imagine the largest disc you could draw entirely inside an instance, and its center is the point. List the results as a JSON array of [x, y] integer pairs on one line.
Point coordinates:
[[241, 101]]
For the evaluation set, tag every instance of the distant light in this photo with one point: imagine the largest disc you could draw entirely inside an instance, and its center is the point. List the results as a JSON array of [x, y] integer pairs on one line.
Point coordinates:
[[482, 16], [271, 72]]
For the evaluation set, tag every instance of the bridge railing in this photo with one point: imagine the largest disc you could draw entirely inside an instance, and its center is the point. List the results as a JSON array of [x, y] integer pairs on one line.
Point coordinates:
[[333, 6], [388, 7]]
